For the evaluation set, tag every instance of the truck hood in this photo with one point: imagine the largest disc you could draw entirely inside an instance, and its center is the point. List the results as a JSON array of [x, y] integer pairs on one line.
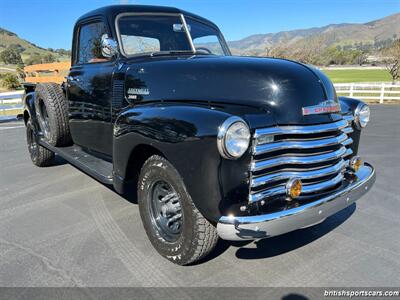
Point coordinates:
[[276, 86]]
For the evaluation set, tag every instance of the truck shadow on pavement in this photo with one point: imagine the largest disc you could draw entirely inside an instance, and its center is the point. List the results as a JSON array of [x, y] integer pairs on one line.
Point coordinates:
[[59, 161], [274, 246], [293, 240]]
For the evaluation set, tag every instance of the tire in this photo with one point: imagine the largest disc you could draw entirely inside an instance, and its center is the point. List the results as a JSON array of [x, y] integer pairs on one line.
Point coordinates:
[[52, 114], [40, 156], [196, 238]]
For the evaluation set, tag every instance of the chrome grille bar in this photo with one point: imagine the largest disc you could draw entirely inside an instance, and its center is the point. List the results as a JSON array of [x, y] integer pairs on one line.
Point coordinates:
[[258, 181], [311, 129], [307, 189], [347, 142], [348, 118], [347, 130], [299, 144], [284, 160]]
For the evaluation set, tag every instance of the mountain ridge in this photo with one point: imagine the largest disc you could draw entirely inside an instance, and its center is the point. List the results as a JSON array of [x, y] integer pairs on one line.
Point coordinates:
[[27, 48], [340, 34]]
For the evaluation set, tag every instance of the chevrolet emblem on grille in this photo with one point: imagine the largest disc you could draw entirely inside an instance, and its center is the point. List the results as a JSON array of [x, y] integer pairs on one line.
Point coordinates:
[[325, 107]]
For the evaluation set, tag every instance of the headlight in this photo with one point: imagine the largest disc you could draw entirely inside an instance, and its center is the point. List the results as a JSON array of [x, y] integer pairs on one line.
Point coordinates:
[[233, 138], [361, 115]]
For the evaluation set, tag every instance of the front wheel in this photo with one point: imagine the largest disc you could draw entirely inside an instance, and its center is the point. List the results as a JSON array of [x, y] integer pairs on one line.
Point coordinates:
[[173, 224]]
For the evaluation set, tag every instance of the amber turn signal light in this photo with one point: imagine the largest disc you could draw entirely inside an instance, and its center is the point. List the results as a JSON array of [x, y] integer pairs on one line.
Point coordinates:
[[294, 187], [356, 163]]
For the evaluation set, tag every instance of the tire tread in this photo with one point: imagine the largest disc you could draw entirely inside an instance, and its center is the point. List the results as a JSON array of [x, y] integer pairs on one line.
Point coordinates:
[[57, 106], [205, 235]]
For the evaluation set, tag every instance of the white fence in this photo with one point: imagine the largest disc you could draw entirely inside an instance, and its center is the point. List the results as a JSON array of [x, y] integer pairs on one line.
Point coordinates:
[[370, 92], [11, 97], [11, 103]]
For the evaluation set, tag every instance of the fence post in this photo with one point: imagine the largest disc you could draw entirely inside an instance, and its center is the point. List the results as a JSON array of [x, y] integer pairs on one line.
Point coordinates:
[[382, 93], [351, 89]]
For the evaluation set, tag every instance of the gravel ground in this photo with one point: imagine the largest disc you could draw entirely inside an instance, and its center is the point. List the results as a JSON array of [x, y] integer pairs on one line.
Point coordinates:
[[60, 227]]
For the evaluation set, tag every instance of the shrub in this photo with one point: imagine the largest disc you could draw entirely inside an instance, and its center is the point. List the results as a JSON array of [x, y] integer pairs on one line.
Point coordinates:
[[10, 81], [11, 56]]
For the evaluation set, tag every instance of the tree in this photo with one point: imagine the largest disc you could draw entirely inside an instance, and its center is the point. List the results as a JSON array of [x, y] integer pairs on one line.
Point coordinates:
[[48, 58], [63, 52], [309, 51], [11, 56], [21, 72], [34, 59], [19, 48], [10, 81], [392, 60], [360, 57], [280, 51]]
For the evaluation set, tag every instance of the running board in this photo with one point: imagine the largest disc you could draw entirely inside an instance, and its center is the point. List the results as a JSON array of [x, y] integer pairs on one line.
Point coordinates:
[[96, 167]]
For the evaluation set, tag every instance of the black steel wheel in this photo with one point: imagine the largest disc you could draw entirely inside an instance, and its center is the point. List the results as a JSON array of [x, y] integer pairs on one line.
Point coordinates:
[[175, 227], [40, 156], [165, 210]]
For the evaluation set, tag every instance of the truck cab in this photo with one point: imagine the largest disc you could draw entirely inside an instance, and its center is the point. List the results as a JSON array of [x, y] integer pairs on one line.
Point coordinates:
[[217, 146]]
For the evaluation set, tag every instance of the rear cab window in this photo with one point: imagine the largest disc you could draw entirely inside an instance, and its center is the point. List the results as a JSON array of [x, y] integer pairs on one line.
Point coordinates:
[[89, 43]]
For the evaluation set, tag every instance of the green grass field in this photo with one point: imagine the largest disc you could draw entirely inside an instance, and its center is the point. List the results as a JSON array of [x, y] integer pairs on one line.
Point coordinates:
[[356, 75]]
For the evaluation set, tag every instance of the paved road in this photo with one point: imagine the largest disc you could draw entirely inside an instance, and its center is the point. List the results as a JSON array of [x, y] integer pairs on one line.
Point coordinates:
[[59, 227]]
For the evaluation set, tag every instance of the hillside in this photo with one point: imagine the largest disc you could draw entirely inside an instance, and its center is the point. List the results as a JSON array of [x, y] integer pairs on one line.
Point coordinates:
[[8, 38], [372, 34]]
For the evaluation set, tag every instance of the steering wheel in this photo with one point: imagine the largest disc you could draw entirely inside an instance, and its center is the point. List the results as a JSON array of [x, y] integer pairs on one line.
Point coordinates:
[[204, 49]]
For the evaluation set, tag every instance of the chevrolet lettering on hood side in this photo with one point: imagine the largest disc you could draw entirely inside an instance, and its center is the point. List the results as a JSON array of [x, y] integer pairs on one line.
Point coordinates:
[[214, 145], [325, 107]]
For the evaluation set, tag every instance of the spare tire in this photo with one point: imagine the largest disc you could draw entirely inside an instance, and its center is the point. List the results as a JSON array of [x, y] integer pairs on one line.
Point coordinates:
[[52, 114]]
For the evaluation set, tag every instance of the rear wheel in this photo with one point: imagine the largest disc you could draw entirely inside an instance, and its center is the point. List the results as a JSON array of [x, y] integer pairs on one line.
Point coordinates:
[[175, 227], [52, 114], [40, 156]]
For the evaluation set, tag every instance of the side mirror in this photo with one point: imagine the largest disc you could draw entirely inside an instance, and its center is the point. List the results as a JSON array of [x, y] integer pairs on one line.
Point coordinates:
[[109, 46]]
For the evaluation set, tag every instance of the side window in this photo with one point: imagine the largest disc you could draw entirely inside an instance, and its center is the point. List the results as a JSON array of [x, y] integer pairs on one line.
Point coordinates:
[[205, 38], [209, 43], [90, 43]]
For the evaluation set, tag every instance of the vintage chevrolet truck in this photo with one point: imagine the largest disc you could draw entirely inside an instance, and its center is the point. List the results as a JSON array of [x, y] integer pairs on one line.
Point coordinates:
[[240, 148]]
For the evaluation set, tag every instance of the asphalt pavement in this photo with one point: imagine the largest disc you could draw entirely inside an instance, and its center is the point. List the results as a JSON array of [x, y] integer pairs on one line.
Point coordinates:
[[60, 227]]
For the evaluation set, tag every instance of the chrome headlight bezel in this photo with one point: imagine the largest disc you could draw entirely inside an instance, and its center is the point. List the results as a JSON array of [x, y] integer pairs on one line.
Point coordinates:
[[362, 115], [222, 137]]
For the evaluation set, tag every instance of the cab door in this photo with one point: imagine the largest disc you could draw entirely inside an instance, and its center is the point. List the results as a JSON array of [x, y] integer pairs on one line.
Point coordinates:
[[89, 90]]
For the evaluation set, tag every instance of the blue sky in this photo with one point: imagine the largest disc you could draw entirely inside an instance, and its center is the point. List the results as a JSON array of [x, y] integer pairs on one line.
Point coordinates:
[[48, 23]]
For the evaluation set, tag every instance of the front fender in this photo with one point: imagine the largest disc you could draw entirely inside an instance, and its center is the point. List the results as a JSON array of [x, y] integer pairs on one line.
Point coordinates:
[[348, 106], [186, 136]]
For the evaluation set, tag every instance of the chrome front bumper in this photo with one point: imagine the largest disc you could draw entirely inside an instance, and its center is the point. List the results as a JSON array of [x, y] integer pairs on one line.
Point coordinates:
[[268, 225]]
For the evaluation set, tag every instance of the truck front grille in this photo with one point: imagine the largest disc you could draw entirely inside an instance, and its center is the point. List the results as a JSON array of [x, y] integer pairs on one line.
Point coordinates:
[[317, 154]]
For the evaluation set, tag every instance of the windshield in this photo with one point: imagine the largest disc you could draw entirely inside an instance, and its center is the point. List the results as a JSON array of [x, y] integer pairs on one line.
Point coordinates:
[[158, 34]]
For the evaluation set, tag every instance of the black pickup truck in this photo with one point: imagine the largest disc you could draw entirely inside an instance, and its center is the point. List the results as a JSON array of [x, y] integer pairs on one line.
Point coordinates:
[[240, 148]]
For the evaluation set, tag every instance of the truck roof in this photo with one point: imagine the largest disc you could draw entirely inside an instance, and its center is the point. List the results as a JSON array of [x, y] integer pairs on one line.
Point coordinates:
[[112, 11]]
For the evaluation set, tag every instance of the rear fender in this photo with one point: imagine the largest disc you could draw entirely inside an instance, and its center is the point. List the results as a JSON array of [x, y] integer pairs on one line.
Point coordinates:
[[29, 108]]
